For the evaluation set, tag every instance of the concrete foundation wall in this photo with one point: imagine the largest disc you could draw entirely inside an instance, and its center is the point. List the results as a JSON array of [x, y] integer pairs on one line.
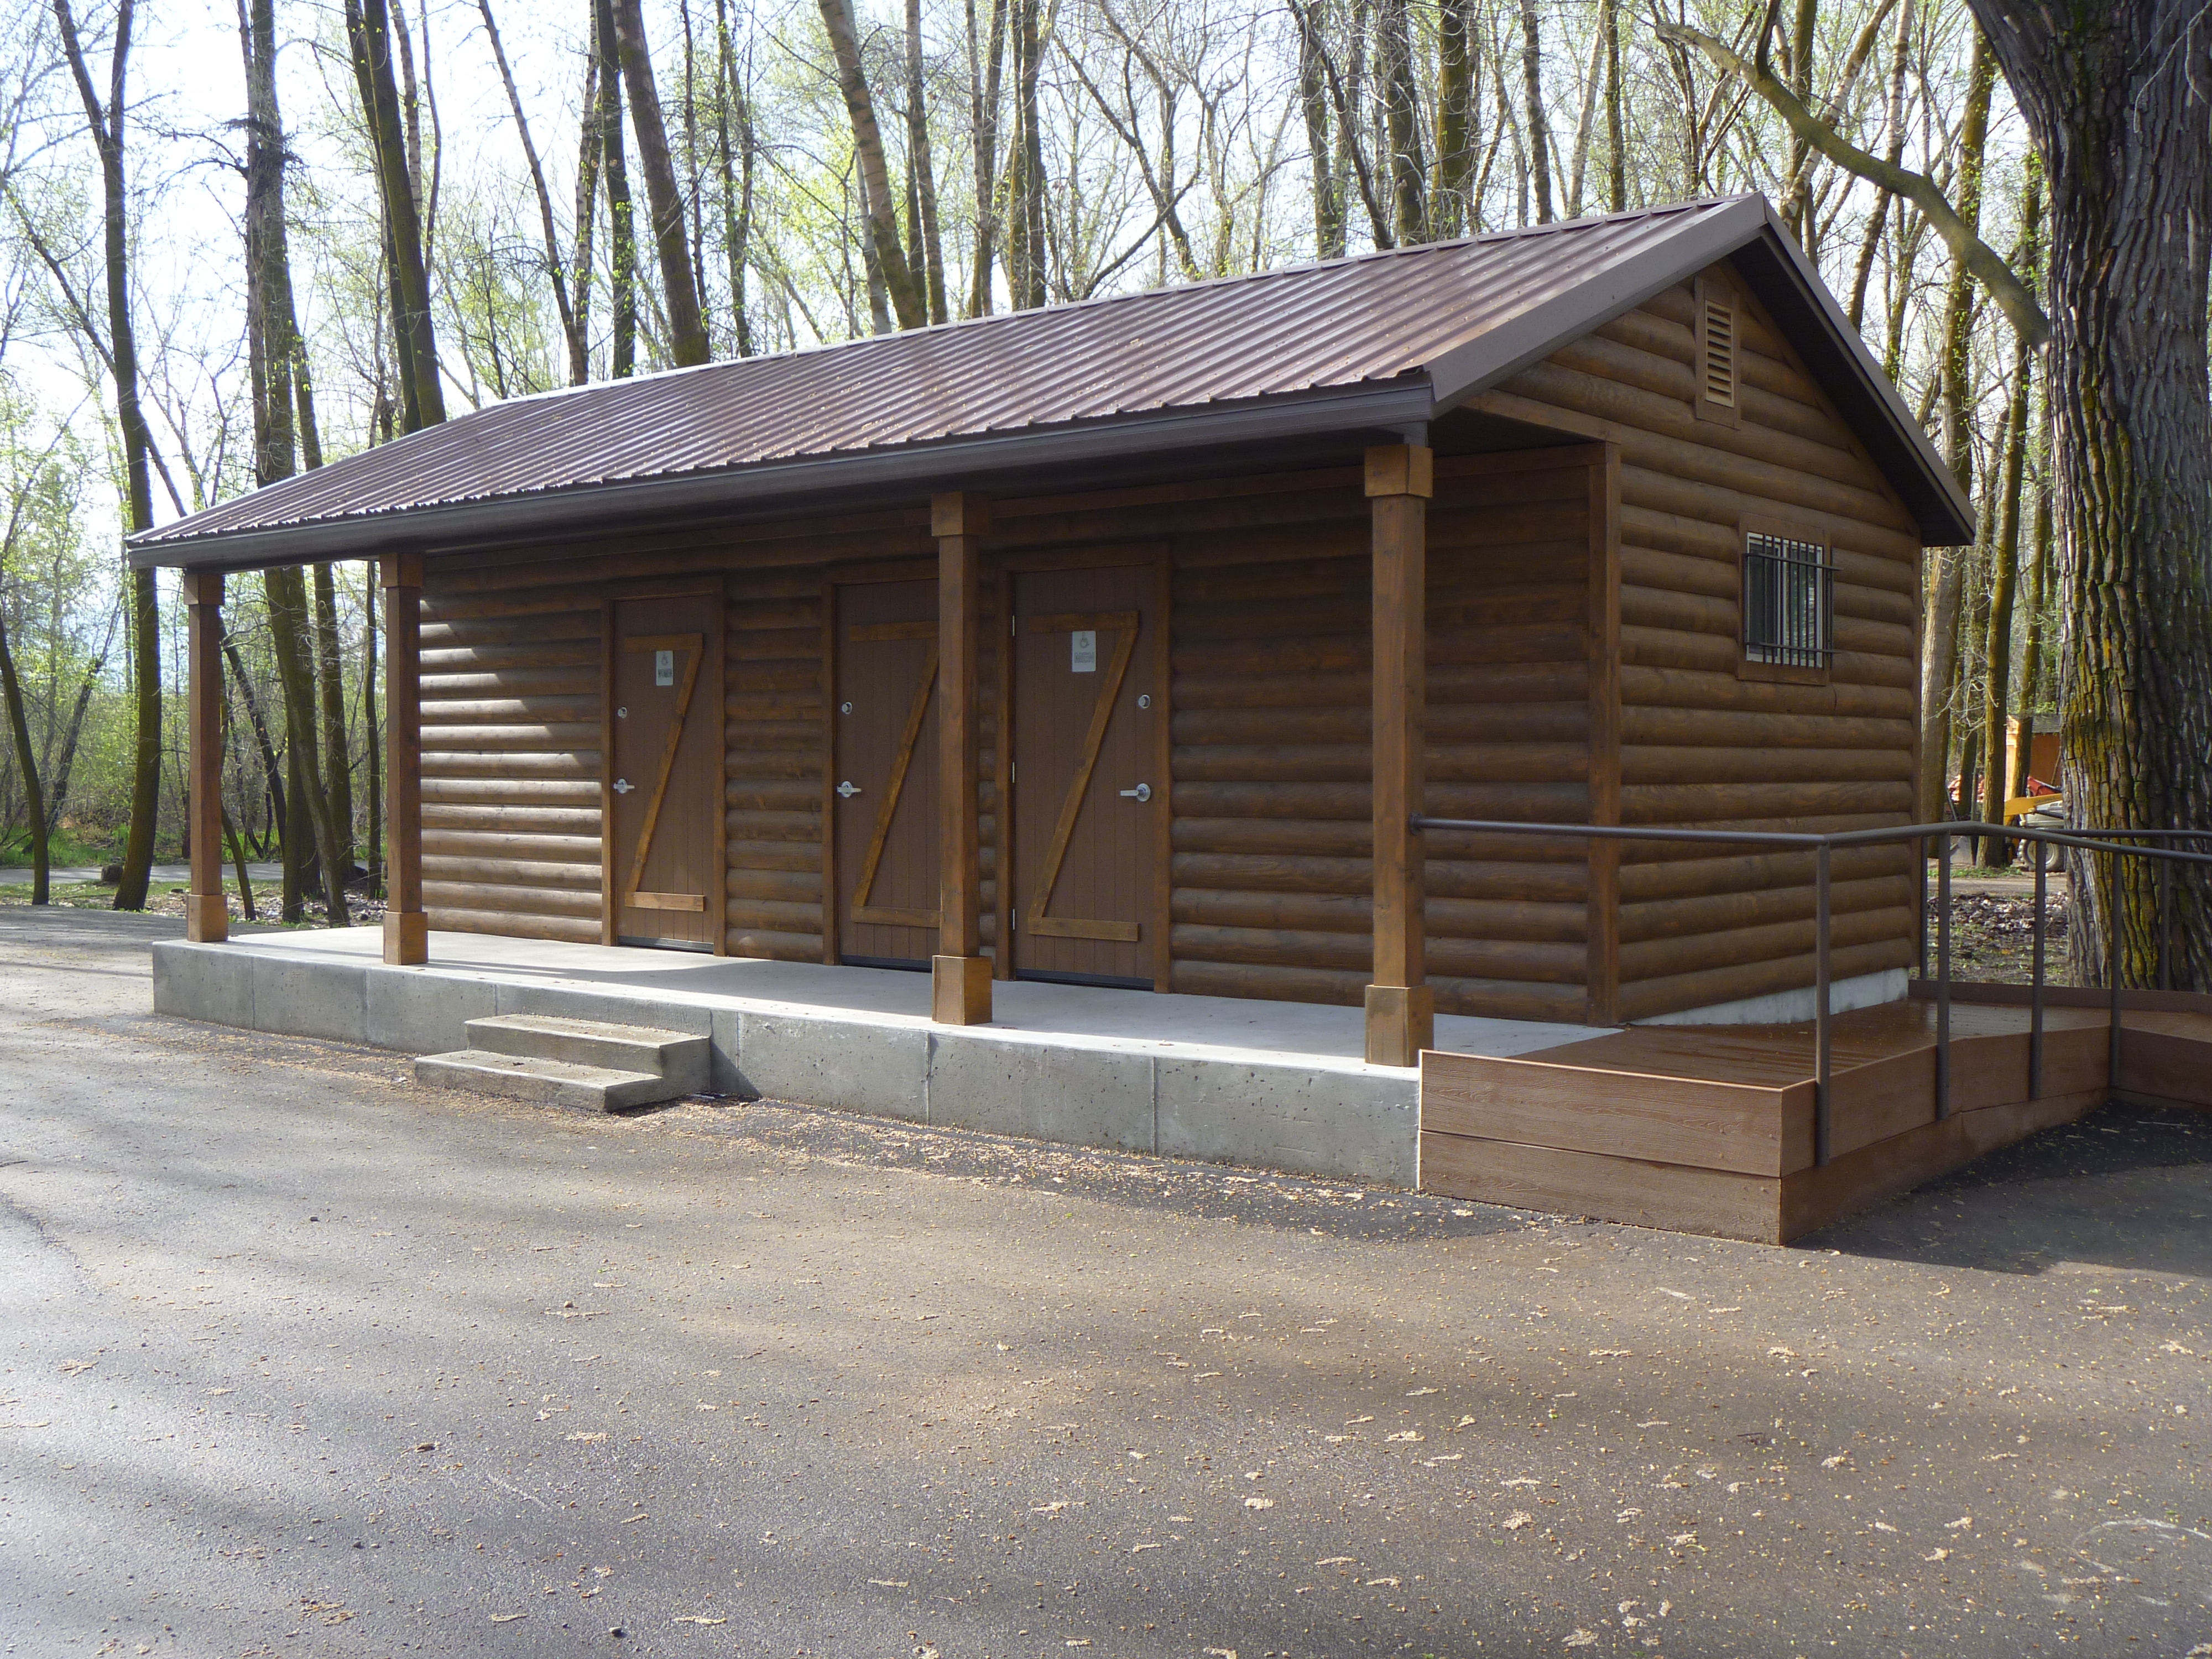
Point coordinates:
[[1302, 1114]]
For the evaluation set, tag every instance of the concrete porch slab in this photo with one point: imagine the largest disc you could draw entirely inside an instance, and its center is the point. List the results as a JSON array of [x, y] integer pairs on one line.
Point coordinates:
[[1276, 1084]]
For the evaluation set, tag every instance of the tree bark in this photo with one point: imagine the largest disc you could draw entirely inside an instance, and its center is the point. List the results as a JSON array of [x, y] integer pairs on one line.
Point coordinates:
[[1997, 851], [330, 675], [985, 93], [106, 122], [27, 761], [369, 34], [1029, 56], [588, 152], [1939, 659], [2039, 605], [737, 179], [2112, 97], [1401, 120], [290, 633], [621, 214], [679, 283], [875, 175], [273, 339], [1532, 74], [1313, 101], [572, 331], [922, 174], [1616, 143]]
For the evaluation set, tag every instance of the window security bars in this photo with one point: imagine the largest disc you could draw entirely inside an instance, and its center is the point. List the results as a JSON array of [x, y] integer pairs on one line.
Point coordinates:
[[1789, 590]]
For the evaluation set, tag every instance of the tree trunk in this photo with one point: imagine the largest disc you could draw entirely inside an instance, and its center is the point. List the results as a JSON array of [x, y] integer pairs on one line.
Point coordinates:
[[1313, 100], [1939, 657], [2112, 97], [1608, 22], [27, 760], [372, 739], [679, 283], [105, 122], [588, 152], [984, 93], [57, 795], [272, 333], [369, 34], [1030, 50], [238, 865], [1401, 120], [737, 185], [291, 635], [1532, 74], [1997, 851], [621, 214], [922, 173], [337, 768], [1796, 208], [2039, 605], [875, 175], [572, 331], [871, 268], [271, 767]]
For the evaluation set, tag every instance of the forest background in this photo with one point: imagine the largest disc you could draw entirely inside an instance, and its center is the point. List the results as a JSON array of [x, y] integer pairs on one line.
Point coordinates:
[[239, 241]]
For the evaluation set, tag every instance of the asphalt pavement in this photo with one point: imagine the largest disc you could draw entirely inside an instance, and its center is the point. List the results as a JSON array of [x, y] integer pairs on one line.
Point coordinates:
[[20, 875], [299, 1359]]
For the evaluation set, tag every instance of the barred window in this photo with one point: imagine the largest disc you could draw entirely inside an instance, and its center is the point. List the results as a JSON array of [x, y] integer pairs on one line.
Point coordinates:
[[1788, 593]]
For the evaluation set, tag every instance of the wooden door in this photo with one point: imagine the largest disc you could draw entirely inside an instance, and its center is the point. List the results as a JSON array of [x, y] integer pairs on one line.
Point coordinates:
[[883, 794], [1087, 793], [664, 790]]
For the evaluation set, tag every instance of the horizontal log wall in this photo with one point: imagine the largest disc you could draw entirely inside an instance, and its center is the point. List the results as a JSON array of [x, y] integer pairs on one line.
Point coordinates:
[[1700, 744], [1270, 875], [512, 767]]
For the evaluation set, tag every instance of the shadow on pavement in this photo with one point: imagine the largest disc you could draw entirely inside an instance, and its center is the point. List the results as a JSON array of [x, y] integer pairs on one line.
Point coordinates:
[[2125, 1189]]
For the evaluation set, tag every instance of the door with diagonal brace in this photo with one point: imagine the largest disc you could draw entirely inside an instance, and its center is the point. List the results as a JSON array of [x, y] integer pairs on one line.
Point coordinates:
[[663, 794], [883, 794], [1087, 796]]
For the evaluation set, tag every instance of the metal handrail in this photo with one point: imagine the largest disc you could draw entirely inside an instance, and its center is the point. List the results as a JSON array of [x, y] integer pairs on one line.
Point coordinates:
[[1822, 846]]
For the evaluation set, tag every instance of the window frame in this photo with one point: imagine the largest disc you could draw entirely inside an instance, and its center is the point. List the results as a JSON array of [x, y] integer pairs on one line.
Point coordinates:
[[1750, 667]]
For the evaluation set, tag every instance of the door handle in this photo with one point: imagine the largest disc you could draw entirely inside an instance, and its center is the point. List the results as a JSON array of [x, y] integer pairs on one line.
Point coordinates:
[[623, 786], [1142, 792], [847, 790]]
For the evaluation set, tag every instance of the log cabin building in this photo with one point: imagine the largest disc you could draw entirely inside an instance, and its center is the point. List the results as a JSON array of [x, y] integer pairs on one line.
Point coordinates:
[[1117, 642]]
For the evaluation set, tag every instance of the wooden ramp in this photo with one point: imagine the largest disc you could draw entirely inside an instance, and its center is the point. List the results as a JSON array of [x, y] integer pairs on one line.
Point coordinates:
[[1709, 1129]]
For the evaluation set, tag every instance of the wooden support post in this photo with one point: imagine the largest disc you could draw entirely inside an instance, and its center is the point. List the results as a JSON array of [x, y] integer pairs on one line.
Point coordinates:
[[961, 974], [1601, 976], [1402, 1018], [207, 918], [406, 928]]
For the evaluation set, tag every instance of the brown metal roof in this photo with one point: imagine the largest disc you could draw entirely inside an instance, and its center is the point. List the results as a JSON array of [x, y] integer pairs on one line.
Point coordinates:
[[1381, 340]]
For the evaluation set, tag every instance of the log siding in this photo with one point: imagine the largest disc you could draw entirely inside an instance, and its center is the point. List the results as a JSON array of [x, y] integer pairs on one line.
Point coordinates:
[[1629, 528], [1701, 744]]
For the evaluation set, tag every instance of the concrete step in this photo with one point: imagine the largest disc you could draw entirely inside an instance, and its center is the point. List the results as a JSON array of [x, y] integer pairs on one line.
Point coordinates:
[[683, 1060], [559, 1083]]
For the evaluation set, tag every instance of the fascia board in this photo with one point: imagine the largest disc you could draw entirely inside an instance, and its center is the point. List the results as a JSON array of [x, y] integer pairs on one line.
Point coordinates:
[[1387, 406]]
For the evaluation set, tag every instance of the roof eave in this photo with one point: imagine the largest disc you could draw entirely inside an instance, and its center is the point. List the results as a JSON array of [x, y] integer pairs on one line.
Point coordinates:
[[1386, 405]]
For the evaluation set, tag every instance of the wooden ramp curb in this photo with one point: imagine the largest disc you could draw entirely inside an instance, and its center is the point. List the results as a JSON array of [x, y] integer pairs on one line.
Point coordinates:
[[1709, 1129]]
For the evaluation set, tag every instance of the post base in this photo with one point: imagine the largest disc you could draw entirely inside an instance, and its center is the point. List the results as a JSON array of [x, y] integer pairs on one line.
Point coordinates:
[[960, 990], [1401, 1021], [207, 918], [406, 937]]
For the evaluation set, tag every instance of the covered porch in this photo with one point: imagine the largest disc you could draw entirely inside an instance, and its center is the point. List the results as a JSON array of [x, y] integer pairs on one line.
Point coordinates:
[[1283, 1085]]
